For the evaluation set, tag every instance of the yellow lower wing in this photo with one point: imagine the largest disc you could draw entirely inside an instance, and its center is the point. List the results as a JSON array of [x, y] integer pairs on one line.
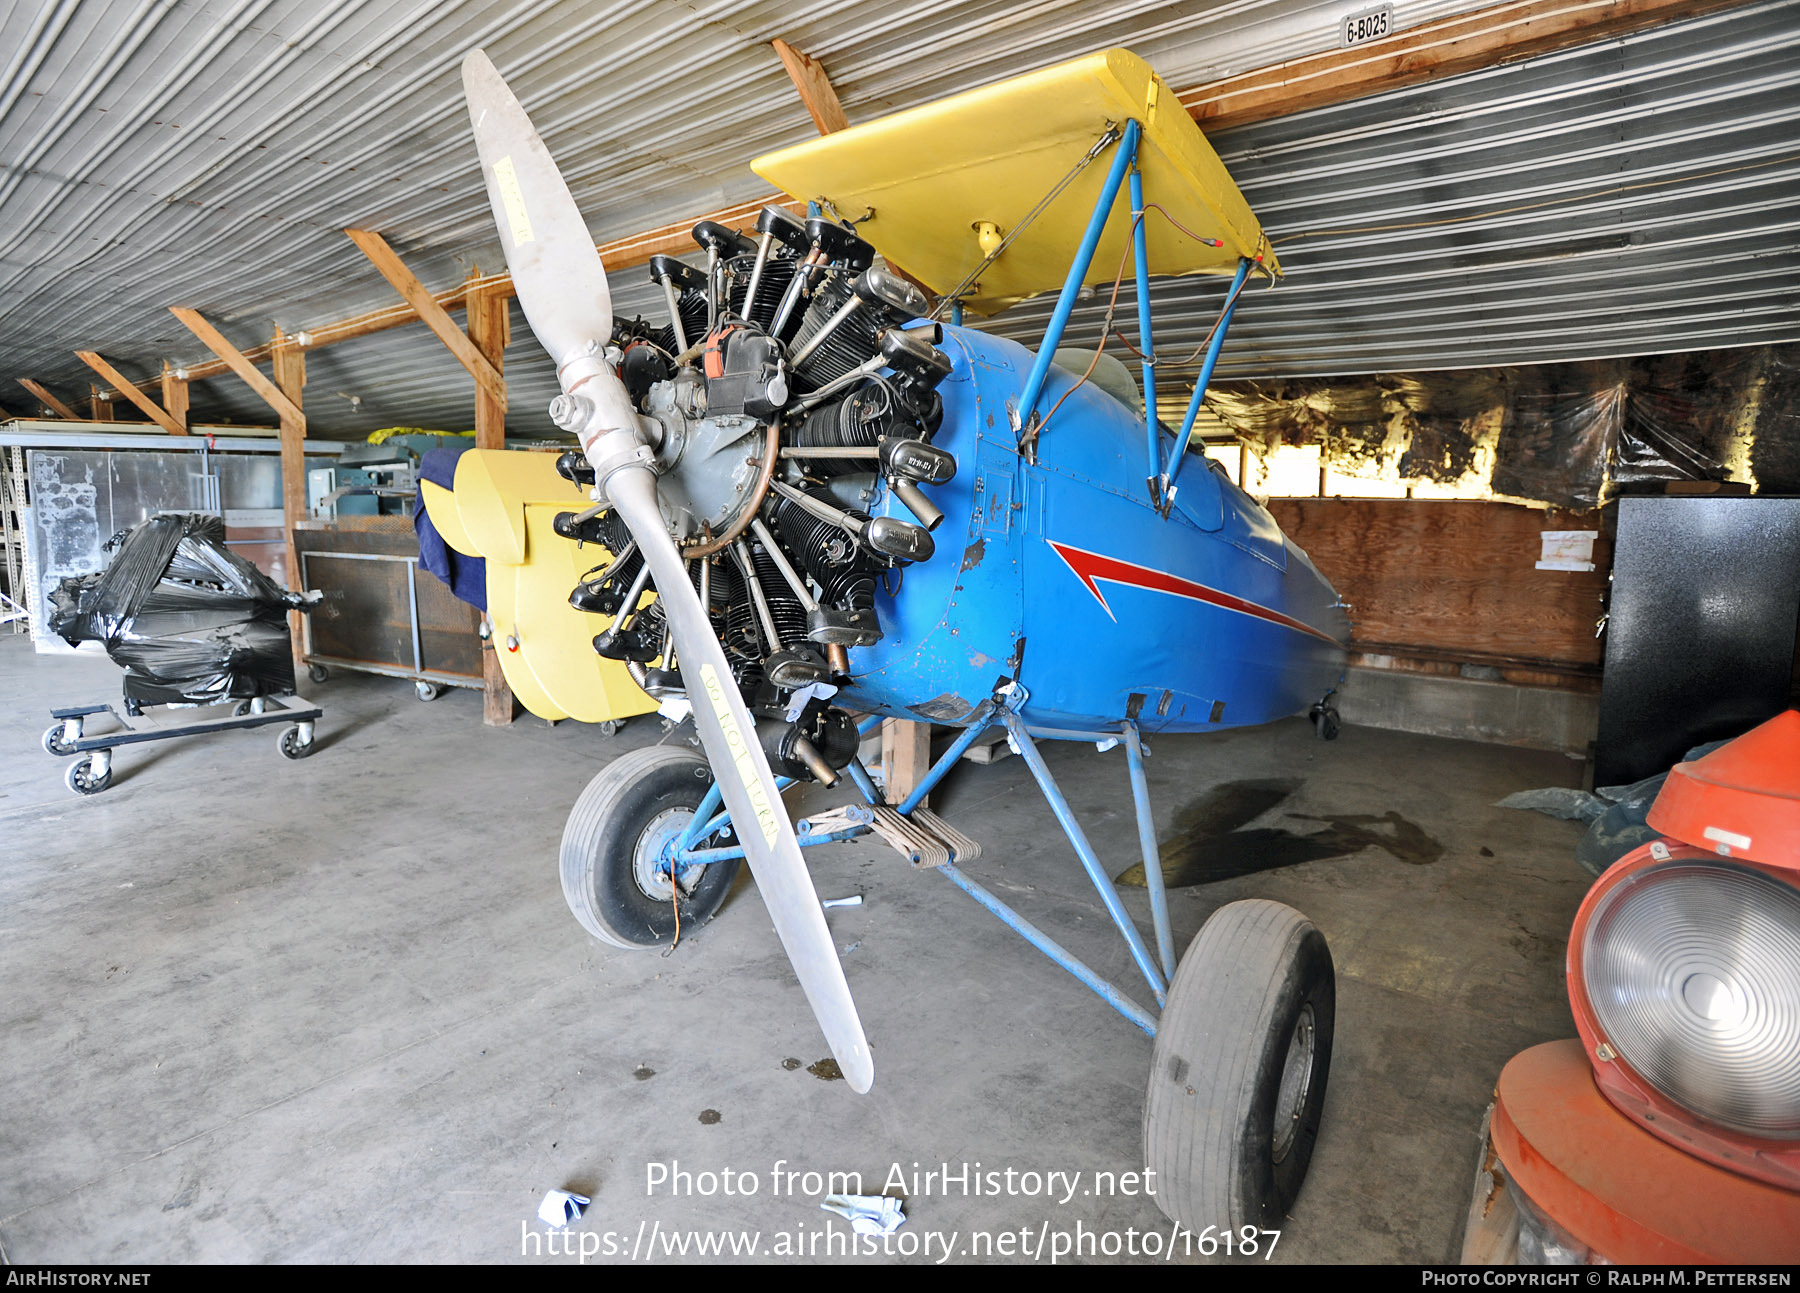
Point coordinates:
[[504, 510], [555, 639]]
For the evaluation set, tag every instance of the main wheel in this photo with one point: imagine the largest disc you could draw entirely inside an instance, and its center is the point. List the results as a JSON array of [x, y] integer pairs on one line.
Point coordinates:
[[637, 806], [53, 740], [82, 778], [1237, 1074]]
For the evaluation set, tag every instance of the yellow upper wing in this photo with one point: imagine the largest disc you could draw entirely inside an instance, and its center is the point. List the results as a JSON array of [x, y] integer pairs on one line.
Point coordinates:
[[932, 174]]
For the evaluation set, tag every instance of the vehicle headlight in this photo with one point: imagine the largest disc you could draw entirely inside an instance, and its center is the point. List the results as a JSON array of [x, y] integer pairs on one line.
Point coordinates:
[[1691, 968]]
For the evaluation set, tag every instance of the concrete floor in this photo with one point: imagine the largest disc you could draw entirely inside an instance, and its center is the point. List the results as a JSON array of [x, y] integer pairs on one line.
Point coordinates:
[[336, 1010]]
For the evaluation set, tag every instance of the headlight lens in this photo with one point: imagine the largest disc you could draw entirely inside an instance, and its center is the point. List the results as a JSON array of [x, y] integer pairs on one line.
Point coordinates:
[[1693, 973]]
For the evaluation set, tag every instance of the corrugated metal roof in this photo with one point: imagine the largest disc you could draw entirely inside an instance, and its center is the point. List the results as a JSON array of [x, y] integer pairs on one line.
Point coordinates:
[[1630, 197], [1637, 193]]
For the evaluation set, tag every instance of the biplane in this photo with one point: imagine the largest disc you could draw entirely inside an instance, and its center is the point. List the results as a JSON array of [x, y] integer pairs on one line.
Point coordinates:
[[816, 496]]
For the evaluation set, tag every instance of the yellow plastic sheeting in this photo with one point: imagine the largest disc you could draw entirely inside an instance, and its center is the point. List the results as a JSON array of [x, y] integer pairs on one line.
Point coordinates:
[[492, 487], [932, 174], [556, 640], [446, 517]]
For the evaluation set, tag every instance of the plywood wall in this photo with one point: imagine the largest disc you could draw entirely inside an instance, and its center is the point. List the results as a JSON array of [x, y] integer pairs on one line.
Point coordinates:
[[1456, 581]]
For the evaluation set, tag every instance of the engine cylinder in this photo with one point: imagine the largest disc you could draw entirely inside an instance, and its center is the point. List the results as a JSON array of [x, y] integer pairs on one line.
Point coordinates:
[[851, 343], [777, 273]]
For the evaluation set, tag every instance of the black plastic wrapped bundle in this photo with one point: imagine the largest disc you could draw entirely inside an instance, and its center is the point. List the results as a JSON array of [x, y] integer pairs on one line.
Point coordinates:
[[189, 621]]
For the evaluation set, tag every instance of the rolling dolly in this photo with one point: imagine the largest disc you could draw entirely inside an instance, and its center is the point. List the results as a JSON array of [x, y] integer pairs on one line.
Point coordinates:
[[92, 772]]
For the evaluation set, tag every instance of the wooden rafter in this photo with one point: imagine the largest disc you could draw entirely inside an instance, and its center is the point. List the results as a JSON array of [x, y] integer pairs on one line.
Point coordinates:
[[62, 410], [433, 315], [1501, 33], [235, 361], [119, 382], [815, 89]]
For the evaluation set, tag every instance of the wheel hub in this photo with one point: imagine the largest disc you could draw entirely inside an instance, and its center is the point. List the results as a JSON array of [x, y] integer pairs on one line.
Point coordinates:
[[1296, 1082], [652, 860]]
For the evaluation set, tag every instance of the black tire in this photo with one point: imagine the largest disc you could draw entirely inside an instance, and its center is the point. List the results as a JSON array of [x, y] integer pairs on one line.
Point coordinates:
[[1228, 1138], [1326, 724], [240, 709], [635, 800], [81, 779], [317, 672], [53, 740], [291, 747]]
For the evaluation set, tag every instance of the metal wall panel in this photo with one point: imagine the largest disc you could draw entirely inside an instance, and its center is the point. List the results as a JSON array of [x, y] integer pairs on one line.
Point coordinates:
[[1700, 633], [1630, 196]]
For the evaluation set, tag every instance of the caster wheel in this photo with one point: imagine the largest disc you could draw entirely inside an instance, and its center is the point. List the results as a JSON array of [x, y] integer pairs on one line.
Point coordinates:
[[53, 740], [1238, 1070], [317, 672], [427, 690], [636, 806], [240, 709], [292, 747], [611, 726], [83, 780], [134, 708], [1326, 723]]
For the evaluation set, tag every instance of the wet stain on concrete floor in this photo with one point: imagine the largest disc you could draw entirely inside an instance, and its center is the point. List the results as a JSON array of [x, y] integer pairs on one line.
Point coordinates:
[[1210, 838], [709, 1117], [826, 1070]]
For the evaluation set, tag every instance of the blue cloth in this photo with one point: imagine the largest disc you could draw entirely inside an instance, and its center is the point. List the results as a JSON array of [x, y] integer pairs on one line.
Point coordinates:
[[466, 576]]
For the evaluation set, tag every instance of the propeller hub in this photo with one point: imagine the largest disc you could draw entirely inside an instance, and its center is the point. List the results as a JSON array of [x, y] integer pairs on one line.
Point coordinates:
[[570, 412]]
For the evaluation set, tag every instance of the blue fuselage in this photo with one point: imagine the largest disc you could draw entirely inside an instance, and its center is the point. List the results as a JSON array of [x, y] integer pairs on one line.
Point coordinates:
[[1060, 572]]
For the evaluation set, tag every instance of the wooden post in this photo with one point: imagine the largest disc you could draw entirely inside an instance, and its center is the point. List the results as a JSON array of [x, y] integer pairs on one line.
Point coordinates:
[[175, 399], [905, 756], [100, 404], [290, 376], [490, 330]]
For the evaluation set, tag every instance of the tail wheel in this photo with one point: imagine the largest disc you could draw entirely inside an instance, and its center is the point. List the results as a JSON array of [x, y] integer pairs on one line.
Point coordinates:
[[1238, 1072], [626, 821]]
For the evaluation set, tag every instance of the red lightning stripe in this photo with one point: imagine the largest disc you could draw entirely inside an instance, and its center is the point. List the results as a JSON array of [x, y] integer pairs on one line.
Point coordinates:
[[1090, 567]]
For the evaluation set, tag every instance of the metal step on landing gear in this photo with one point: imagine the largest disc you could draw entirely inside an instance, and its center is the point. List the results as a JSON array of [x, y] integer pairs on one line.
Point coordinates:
[[1325, 718]]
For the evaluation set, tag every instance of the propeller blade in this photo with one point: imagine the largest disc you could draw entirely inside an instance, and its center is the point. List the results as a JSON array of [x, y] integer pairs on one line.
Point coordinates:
[[555, 269], [745, 782], [561, 286]]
